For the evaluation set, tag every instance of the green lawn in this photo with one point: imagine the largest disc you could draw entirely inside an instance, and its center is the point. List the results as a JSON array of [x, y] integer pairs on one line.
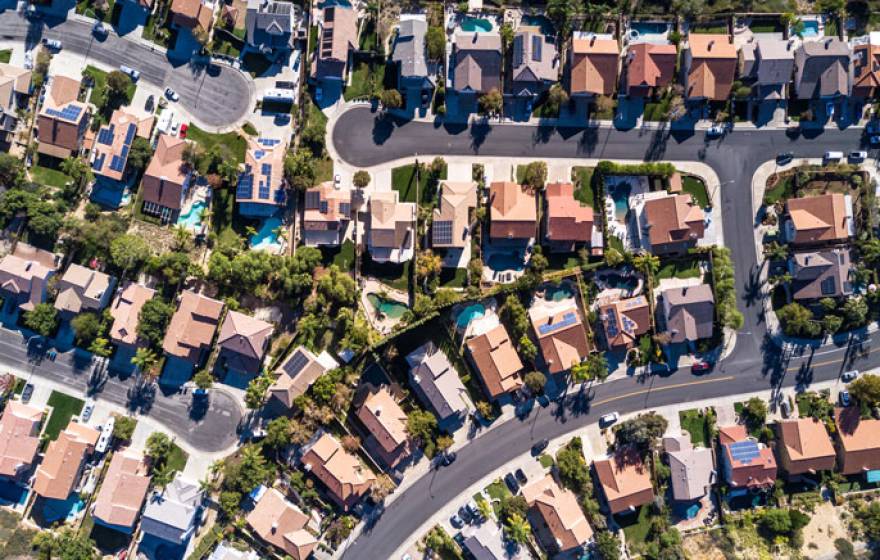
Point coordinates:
[[697, 189], [231, 145], [368, 36], [344, 259], [362, 80], [659, 111], [403, 180], [177, 458], [47, 176], [323, 170], [393, 275], [64, 407], [497, 491], [583, 180], [99, 90], [709, 29], [546, 461], [781, 191], [680, 269], [637, 531], [695, 423], [5, 55]]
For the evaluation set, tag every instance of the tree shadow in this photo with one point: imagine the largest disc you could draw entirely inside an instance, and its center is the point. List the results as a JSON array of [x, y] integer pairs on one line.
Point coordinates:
[[588, 141], [480, 130], [542, 134]]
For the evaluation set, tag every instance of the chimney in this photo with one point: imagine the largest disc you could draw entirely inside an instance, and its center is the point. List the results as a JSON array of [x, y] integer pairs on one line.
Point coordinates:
[[710, 45], [592, 40], [378, 411], [828, 44], [274, 526]]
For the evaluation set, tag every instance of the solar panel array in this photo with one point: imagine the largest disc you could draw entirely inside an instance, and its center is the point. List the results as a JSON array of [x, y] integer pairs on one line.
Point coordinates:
[[295, 364], [567, 320], [536, 47], [324, 207], [345, 208], [611, 322], [129, 135], [105, 135], [263, 191], [518, 51], [258, 154], [744, 451], [268, 142], [443, 232], [70, 113], [313, 200], [245, 187], [99, 162], [266, 169]]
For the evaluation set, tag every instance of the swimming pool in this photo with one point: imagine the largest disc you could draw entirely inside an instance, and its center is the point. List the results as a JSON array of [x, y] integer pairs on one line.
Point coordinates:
[[387, 307], [811, 28], [471, 24], [541, 22], [193, 218], [619, 281], [558, 293], [620, 195], [642, 28], [266, 237], [468, 314], [506, 261]]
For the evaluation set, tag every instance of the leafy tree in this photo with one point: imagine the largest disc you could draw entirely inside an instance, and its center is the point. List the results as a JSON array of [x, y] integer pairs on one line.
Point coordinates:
[[158, 448], [484, 409], [573, 471], [428, 264], [855, 311], [514, 313], [647, 263], [783, 521], [140, 153], [535, 381], [391, 99], [866, 390], [613, 257], [870, 251], [153, 320], [382, 487], [643, 431], [144, 359], [491, 103], [776, 251], [163, 475], [229, 503], [299, 169], [831, 323], [527, 348], [421, 425], [66, 544], [338, 287], [255, 395], [203, 379], [78, 170], [129, 252], [607, 545], [755, 411], [361, 179], [86, 327], [100, 346], [123, 428], [830, 6], [512, 506], [42, 319], [118, 83], [561, 13], [278, 433], [436, 42], [797, 320], [869, 516], [535, 174], [518, 529], [557, 97], [11, 170]]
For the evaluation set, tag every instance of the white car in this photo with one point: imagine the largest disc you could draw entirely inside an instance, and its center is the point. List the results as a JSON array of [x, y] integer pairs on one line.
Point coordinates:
[[715, 131], [132, 73], [53, 44], [87, 410], [609, 419], [171, 94], [848, 376]]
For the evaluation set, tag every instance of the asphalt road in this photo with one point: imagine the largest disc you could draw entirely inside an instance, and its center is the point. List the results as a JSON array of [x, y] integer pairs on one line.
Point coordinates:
[[217, 96], [756, 363], [207, 428]]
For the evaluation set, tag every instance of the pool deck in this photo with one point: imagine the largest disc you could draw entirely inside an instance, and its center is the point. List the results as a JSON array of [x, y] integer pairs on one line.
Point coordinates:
[[370, 286]]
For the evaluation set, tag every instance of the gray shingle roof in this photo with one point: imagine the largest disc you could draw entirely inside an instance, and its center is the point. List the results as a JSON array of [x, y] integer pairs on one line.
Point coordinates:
[[409, 49], [824, 69], [269, 23], [170, 515], [477, 62]]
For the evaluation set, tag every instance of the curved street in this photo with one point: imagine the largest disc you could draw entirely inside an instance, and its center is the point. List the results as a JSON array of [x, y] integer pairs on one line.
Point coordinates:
[[362, 139], [217, 95]]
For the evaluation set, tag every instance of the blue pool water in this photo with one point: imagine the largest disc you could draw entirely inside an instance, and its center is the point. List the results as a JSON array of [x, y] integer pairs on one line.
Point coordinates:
[[476, 24], [267, 237], [811, 28], [468, 314], [620, 281], [538, 21], [620, 195], [389, 308], [506, 261], [57, 510], [558, 293], [193, 218], [648, 27]]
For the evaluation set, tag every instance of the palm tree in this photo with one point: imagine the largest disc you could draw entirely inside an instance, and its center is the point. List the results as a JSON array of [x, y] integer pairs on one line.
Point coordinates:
[[647, 263], [143, 361], [518, 529], [163, 475], [182, 238]]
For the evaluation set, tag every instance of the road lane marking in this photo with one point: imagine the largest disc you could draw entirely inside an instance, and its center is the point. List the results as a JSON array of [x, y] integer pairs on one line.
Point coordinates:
[[830, 362], [659, 389]]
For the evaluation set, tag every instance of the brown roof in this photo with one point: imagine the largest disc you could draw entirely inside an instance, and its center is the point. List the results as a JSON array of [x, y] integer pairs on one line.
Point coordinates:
[[805, 446], [818, 274], [114, 140], [19, 441], [263, 167], [625, 481], [560, 510], [513, 211], [673, 219], [297, 373], [58, 129], [713, 66], [124, 488], [391, 221], [818, 218], [192, 14], [384, 418], [125, 310], [650, 65], [752, 464], [478, 62], [561, 334], [340, 32], [165, 177], [245, 335], [60, 469], [345, 477], [624, 320], [82, 288], [858, 441], [192, 326], [496, 360], [326, 207], [594, 64], [282, 524], [866, 69], [12, 79], [452, 217], [690, 312], [26, 272], [567, 218]]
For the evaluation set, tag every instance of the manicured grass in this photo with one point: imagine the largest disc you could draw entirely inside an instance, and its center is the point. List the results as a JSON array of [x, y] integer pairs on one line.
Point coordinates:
[[637, 531], [583, 192], [47, 176], [695, 187], [344, 259], [230, 145], [695, 423], [99, 90], [782, 190], [5, 55], [659, 111], [177, 458], [393, 275], [403, 180], [453, 277], [255, 64], [709, 29], [64, 407], [680, 269], [249, 129], [368, 36], [361, 84], [497, 491], [323, 170], [546, 461]]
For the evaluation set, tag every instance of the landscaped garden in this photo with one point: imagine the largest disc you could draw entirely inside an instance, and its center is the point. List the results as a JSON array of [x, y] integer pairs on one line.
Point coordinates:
[[64, 408]]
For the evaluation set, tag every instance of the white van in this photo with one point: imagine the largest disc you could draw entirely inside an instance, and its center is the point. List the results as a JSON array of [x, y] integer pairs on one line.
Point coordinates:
[[832, 156]]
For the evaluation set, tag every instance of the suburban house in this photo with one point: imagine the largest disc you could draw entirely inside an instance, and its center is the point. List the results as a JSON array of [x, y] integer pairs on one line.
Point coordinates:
[[556, 514], [261, 189], [593, 65], [673, 222], [410, 55], [227, 551], [624, 321], [451, 226], [83, 289], [866, 66], [270, 25], [487, 541], [24, 276], [63, 119], [821, 219], [192, 14], [709, 63], [392, 228], [343, 475], [243, 342], [747, 463], [435, 380], [767, 65], [561, 334], [692, 469], [513, 212], [63, 461], [338, 39], [476, 61], [19, 439], [823, 69], [297, 373], [689, 313], [281, 524], [172, 512], [122, 492], [496, 361], [385, 422], [190, 332], [650, 67], [804, 447], [819, 274], [15, 86], [535, 65], [568, 223], [125, 309], [113, 142], [166, 180], [326, 215], [625, 481], [857, 441]]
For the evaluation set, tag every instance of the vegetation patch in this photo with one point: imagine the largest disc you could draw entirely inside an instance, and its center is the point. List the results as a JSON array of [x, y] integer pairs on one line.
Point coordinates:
[[583, 181], [695, 187], [697, 425], [64, 407]]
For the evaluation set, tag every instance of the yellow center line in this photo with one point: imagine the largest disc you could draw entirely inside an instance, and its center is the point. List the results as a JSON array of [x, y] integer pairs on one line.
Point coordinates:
[[664, 388], [830, 362]]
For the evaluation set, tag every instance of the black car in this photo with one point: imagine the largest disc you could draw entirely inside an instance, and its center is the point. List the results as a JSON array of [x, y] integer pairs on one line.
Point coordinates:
[[27, 392], [511, 483], [540, 446], [520, 476], [456, 522], [465, 515], [784, 158], [448, 458], [544, 401]]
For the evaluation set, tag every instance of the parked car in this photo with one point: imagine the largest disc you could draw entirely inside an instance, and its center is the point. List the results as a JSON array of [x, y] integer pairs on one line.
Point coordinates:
[[785, 408], [701, 366], [609, 419], [784, 158], [27, 393], [171, 94], [511, 483], [53, 44], [132, 73], [473, 509], [845, 399], [151, 102], [874, 140], [520, 477], [448, 458], [87, 410], [106, 435], [832, 156], [99, 29], [465, 515], [540, 446], [183, 128], [715, 131], [850, 375], [543, 400], [858, 156], [456, 521]]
